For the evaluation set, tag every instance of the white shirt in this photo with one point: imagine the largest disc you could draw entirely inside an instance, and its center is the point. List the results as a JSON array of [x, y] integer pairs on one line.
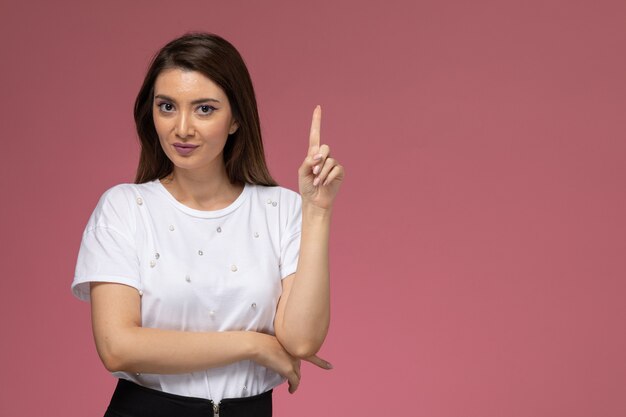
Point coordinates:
[[196, 270]]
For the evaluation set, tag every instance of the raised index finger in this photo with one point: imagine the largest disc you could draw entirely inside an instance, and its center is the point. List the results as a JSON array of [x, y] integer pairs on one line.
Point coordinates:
[[314, 135]]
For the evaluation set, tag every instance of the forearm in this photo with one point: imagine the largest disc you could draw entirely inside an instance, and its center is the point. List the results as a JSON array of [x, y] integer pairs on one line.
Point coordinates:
[[307, 311], [150, 350]]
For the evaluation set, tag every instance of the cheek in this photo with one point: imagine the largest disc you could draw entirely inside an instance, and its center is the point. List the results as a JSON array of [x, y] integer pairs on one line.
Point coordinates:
[[214, 130], [159, 126], [161, 129]]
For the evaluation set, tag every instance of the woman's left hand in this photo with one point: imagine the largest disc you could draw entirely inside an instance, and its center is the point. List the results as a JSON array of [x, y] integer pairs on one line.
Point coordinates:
[[319, 176]]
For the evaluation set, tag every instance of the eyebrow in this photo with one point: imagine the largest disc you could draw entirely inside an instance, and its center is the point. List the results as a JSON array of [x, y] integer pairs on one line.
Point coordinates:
[[198, 101]]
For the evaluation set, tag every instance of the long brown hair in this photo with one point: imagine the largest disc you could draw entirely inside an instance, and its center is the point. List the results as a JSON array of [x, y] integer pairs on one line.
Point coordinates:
[[218, 60]]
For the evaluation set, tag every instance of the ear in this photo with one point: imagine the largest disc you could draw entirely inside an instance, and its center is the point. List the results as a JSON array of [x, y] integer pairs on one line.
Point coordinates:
[[233, 127]]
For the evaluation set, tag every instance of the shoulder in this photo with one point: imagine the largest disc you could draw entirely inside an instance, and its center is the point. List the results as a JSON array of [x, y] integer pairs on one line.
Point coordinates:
[[116, 207], [275, 195], [282, 204], [118, 193], [124, 195], [116, 199]]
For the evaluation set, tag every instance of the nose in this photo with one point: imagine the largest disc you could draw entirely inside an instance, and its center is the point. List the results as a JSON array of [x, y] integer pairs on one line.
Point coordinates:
[[184, 125]]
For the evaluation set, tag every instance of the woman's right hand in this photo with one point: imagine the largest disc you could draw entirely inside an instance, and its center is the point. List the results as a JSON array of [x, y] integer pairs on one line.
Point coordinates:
[[272, 355]]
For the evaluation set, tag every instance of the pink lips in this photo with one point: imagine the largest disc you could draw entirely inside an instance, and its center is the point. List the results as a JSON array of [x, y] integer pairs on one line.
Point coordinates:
[[184, 148]]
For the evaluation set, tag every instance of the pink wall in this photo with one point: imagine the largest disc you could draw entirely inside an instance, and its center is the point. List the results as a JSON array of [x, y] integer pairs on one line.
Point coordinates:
[[478, 245]]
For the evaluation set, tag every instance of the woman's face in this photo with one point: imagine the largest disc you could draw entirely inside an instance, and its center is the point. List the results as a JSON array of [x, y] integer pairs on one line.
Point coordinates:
[[193, 119]]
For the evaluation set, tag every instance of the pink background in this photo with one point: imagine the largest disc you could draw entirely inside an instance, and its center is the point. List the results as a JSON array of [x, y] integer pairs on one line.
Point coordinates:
[[478, 250]]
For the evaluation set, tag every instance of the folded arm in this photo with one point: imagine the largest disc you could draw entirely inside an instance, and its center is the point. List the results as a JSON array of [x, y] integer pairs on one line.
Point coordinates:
[[124, 345]]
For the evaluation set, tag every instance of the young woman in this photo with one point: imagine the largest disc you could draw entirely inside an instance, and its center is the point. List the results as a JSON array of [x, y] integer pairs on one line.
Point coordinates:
[[208, 282]]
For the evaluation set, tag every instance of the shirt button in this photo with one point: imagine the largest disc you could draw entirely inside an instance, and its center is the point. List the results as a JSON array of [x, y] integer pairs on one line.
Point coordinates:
[[269, 201], [140, 293], [274, 203], [256, 234], [139, 201], [219, 229], [156, 255], [200, 253], [212, 313], [152, 264], [187, 278], [171, 227], [253, 305], [233, 268]]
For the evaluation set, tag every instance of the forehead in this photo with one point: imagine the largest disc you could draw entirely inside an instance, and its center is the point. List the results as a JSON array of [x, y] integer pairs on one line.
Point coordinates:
[[185, 85]]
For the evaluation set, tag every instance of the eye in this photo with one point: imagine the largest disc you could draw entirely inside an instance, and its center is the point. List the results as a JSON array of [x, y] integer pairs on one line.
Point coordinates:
[[166, 107], [205, 109]]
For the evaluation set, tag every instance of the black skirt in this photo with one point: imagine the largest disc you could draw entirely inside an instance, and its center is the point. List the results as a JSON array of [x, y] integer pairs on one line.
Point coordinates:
[[133, 400]]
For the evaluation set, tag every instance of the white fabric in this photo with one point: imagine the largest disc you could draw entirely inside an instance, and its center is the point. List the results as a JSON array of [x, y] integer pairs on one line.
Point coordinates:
[[215, 271]]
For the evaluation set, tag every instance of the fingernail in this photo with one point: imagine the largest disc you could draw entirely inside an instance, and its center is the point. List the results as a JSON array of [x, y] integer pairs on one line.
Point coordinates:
[[329, 365], [316, 169], [316, 181], [317, 157]]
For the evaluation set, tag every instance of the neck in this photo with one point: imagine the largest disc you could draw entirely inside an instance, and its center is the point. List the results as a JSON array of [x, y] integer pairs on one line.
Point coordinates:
[[202, 190]]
